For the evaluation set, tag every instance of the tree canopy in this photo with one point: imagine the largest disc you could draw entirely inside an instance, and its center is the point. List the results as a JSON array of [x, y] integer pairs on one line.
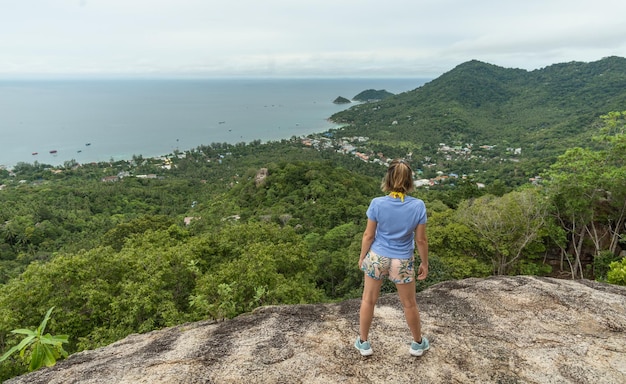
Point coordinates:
[[229, 227]]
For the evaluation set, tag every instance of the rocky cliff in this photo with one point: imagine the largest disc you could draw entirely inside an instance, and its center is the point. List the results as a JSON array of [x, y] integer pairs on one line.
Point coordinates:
[[495, 330]]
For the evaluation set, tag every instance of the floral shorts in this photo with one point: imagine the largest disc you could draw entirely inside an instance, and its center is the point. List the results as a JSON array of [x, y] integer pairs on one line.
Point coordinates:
[[399, 271]]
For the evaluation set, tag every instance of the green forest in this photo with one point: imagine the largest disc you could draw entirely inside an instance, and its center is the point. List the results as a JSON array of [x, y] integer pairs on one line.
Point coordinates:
[[132, 246]]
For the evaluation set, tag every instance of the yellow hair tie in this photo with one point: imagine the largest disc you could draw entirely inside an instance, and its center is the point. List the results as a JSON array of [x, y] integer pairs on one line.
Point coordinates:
[[397, 195]]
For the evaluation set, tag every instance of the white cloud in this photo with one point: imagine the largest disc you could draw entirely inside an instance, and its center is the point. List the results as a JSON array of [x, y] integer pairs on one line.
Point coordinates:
[[307, 37]]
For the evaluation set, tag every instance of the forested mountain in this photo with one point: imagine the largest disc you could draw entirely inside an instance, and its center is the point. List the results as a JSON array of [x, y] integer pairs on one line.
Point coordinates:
[[372, 95], [131, 246], [542, 112]]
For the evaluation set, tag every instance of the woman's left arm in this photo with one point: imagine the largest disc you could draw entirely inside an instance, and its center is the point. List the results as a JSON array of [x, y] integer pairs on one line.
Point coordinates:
[[422, 248]]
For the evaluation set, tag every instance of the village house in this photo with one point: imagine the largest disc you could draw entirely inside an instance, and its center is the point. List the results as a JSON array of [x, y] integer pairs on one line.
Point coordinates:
[[109, 179]]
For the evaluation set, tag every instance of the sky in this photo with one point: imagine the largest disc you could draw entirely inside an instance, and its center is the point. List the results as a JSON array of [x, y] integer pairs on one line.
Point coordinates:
[[300, 38]]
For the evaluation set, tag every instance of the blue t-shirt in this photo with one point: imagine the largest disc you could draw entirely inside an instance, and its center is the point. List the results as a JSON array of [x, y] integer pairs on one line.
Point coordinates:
[[395, 225]]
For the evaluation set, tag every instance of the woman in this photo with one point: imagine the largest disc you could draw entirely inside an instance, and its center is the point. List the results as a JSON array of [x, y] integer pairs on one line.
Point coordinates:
[[395, 224]]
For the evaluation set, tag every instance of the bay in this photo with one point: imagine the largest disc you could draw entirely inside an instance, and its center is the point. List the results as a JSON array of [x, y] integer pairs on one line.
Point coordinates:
[[94, 120]]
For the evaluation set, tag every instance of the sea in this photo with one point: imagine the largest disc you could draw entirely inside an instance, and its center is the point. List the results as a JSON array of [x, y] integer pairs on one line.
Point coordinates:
[[95, 120]]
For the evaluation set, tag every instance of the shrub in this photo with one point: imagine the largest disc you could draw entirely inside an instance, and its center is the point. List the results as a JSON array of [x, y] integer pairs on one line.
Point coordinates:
[[617, 273]]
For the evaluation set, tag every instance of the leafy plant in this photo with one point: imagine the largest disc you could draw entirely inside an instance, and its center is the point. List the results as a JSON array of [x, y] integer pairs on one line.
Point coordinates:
[[43, 349], [617, 274]]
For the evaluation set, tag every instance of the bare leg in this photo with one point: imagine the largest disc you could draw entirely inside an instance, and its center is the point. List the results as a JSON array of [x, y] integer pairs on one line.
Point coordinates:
[[371, 291], [406, 292]]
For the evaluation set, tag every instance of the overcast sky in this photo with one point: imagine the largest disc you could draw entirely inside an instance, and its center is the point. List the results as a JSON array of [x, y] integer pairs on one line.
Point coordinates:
[[326, 38]]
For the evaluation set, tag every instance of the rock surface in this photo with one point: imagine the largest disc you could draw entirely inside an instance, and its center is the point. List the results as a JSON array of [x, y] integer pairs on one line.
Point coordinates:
[[495, 330]]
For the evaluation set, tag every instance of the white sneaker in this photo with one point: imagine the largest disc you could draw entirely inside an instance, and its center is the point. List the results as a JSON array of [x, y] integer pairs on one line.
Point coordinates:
[[418, 349], [364, 347]]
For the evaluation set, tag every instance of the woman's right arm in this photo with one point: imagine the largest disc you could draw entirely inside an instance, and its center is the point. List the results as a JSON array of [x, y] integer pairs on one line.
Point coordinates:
[[368, 239]]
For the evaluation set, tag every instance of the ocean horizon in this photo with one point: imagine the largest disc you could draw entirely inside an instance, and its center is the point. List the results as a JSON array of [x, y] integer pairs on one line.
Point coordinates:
[[96, 120]]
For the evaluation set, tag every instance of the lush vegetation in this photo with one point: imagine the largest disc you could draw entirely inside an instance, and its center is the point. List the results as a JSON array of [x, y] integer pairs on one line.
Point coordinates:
[[222, 229], [372, 95], [37, 348], [341, 100], [542, 113]]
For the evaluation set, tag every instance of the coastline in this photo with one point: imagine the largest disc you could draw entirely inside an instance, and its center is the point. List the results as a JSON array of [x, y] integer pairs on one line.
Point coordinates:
[[122, 119]]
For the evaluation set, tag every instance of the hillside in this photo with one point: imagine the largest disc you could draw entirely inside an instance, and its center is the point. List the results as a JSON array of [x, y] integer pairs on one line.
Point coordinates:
[[495, 330], [541, 112], [370, 95], [127, 247]]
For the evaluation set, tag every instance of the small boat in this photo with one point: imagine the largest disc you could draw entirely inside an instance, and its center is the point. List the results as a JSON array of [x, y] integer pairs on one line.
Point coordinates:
[[53, 151], [79, 151], [35, 153], [88, 144]]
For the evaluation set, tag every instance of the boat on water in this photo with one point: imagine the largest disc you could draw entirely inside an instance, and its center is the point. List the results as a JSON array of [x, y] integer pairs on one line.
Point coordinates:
[[53, 151], [88, 144], [35, 153]]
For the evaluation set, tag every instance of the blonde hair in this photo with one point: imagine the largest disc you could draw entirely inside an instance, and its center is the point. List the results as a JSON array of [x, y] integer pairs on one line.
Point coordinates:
[[399, 177]]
